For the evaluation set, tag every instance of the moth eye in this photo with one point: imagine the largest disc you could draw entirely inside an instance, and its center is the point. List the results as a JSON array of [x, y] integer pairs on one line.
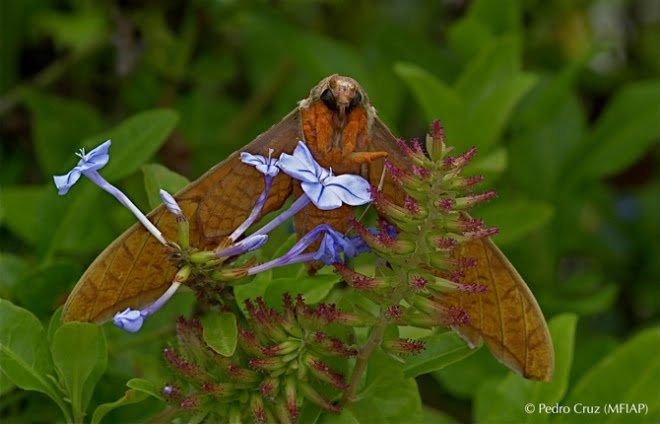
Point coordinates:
[[329, 99], [356, 100]]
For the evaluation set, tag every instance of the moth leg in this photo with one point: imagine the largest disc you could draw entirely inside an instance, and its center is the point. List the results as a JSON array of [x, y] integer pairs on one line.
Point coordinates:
[[366, 157]]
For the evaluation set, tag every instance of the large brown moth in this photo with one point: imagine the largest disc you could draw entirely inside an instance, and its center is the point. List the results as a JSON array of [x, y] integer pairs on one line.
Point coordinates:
[[344, 133]]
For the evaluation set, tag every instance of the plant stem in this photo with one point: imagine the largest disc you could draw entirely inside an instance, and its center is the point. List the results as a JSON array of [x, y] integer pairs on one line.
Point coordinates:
[[374, 340]]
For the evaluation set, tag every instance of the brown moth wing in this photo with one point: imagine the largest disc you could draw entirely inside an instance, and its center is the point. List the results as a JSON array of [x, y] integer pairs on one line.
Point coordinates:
[[227, 203], [506, 315], [134, 270], [382, 140]]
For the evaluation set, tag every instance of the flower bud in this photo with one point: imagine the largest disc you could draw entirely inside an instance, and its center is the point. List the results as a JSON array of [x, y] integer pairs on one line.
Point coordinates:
[[435, 142], [283, 348], [242, 375], [268, 388], [403, 346], [314, 397], [258, 409], [323, 372], [291, 397], [267, 364], [467, 202], [360, 281], [201, 257], [282, 412], [414, 151], [219, 390]]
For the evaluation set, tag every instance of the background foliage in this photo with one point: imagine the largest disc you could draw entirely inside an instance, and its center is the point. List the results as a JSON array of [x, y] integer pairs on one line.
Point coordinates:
[[560, 97]]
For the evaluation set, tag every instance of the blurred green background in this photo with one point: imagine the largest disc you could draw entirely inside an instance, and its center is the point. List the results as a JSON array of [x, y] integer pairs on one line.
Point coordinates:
[[562, 99]]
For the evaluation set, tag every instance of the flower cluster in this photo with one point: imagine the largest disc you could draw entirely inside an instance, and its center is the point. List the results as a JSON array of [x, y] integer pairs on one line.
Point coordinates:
[[431, 222], [206, 271], [281, 359]]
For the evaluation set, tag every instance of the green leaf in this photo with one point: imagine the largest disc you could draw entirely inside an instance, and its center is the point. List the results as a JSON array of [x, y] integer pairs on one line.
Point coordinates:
[[157, 177], [437, 100], [627, 129], [433, 416], [501, 17], [388, 397], [504, 400], [441, 351], [55, 323], [21, 206], [134, 141], [515, 219], [12, 268], [344, 417], [313, 288], [464, 378], [628, 375], [130, 397], [79, 369], [56, 138], [144, 386], [42, 288], [24, 354], [490, 87], [220, 332]]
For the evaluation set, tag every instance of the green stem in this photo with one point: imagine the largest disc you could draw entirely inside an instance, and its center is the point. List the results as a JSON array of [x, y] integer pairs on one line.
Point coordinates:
[[374, 340]]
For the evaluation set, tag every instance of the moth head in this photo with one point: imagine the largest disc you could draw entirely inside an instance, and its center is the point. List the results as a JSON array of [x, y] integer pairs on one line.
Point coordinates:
[[339, 94]]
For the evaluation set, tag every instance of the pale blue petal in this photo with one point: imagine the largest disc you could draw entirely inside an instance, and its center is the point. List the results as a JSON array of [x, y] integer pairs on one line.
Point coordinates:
[[95, 159], [129, 320], [266, 166], [350, 189], [301, 165], [322, 198], [64, 182]]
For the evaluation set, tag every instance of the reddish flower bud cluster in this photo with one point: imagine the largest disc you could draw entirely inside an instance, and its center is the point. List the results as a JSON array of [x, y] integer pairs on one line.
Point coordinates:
[[432, 224], [281, 357]]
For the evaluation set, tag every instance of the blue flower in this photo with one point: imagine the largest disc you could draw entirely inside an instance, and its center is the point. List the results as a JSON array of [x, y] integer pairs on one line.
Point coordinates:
[[332, 246], [88, 165], [129, 320], [170, 203], [266, 166], [325, 190], [92, 161]]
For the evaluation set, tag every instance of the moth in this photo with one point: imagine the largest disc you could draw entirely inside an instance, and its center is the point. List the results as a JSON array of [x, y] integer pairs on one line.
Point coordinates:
[[343, 132]]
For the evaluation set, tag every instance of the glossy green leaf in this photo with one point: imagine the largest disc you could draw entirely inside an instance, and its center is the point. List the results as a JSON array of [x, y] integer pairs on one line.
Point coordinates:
[[515, 219], [157, 177], [134, 141], [130, 397], [628, 375], [144, 386], [56, 141], [220, 332], [441, 350], [464, 378], [387, 397], [433, 416], [504, 400], [627, 129], [79, 369], [24, 354]]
